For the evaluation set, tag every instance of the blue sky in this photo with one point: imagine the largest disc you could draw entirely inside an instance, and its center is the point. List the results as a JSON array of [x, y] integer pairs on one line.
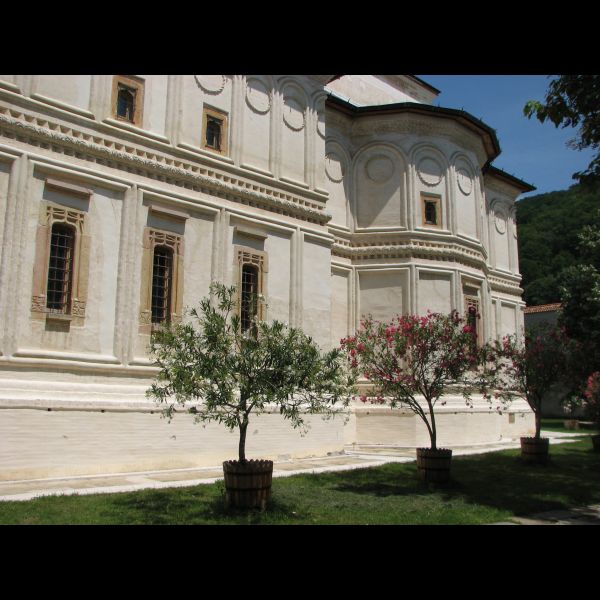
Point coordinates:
[[532, 151]]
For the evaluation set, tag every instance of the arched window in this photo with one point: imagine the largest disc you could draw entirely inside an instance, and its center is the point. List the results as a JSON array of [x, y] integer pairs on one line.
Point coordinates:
[[249, 296], [162, 282], [60, 269], [126, 103]]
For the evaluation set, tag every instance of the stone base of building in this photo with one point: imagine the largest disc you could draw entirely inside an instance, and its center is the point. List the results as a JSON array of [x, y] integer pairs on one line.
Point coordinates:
[[66, 432]]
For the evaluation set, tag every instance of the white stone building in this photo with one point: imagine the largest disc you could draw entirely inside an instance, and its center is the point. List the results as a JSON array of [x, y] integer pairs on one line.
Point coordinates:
[[123, 197]]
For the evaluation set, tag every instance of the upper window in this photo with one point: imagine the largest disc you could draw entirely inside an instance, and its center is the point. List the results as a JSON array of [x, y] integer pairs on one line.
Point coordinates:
[[162, 283], [473, 317], [128, 92], [126, 103], [60, 269], [431, 209], [214, 130], [249, 297]]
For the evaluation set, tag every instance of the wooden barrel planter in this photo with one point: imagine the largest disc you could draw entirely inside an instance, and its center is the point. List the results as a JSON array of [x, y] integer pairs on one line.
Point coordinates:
[[596, 443], [534, 450], [434, 465], [248, 484]]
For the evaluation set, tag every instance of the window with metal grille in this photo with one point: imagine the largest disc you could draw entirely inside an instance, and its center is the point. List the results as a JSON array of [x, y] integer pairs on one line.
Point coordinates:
[[60, 269], [249, 297], [126, 103], [162, 277], [213, 132]]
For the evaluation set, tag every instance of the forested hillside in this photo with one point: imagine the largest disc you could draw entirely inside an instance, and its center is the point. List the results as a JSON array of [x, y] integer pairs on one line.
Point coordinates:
[[548, 226]]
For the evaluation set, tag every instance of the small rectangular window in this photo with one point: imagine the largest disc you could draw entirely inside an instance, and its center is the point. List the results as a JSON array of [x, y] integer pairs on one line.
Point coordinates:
[[214, 130], [60, 269], [126, 103], [128, 99], [431, 210]]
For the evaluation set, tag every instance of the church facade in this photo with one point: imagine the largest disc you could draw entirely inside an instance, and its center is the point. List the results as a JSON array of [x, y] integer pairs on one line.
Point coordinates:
[[123, 197]]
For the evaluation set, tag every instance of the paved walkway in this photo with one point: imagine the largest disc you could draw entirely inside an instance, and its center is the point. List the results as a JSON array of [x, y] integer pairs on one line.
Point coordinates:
[[353, 457]]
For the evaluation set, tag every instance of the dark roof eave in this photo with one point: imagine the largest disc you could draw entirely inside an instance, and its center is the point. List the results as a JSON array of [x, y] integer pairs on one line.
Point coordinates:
[[488, 134], [511, 179]]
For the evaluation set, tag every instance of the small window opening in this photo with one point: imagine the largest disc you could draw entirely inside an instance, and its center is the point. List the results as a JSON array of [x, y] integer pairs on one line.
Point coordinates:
[[213, 132], [162, 277], [60, 269], [431, 212], [249, 297], [126, 103]]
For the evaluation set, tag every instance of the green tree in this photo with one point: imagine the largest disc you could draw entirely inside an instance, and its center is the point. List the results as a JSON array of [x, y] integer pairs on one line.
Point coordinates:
[[574, 101], [228, 375], [580, 299]]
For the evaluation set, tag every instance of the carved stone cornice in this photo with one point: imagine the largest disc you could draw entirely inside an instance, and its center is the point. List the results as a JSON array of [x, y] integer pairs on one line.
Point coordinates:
[[502, 284], [41, 131], [412, 248]]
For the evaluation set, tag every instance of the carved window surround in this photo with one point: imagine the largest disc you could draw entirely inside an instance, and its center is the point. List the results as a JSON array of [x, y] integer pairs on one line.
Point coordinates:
[[51, 213], [152, 238], [436, 201], [136, 85]]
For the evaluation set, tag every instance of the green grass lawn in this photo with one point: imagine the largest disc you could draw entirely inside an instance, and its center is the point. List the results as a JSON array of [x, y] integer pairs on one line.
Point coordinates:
[[485, 488]]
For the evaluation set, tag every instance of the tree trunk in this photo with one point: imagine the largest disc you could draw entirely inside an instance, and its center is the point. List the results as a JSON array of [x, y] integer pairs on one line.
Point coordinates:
[[242, 446], [433, 432], [538, 423]]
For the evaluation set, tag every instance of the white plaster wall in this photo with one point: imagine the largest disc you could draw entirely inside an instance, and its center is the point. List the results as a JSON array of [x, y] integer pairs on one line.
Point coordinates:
[[277, 247], [5, 168], [340, 282], [197, 259], [337, 181], [434, 292], [103, 216], [70, 89], [468, 211], [293, 133], [257, 117], [382, 293], [316, 291], [379, 187], [458, 426], [155, 103], [500, 238], [431, 168], [508, 319], [38, 443]]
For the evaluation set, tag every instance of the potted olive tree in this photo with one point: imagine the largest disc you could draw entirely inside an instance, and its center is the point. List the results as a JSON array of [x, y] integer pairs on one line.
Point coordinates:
[[532, 367], [213, 370], [411, 362]]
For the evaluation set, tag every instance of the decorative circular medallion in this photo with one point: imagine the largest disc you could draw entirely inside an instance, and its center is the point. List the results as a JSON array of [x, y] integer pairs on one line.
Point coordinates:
[[500, 221], [211, 84], [379, 168], [334, 167], [430, 171], [257, 96], [293, 113], [465, 183]]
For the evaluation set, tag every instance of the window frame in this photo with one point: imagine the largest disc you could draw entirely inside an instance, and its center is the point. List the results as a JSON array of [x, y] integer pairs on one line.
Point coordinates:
[[137, 85], [52, 213], [215, 113]]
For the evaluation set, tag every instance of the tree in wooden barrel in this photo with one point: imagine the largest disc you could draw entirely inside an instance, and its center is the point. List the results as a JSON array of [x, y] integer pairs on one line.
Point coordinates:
[[220, 369], [532, 366], [412, 361]]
